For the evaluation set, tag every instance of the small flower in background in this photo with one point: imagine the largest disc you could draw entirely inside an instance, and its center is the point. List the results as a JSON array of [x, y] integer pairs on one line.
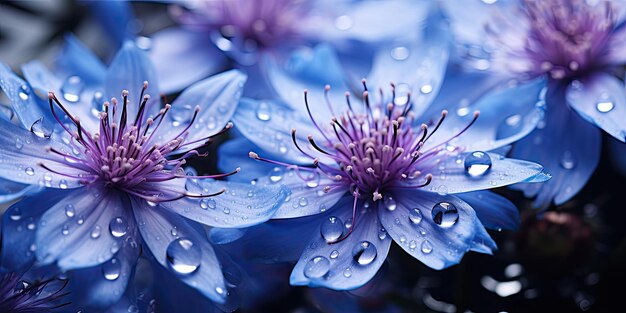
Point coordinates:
[[577, 48], [112, 172], [17, 294]]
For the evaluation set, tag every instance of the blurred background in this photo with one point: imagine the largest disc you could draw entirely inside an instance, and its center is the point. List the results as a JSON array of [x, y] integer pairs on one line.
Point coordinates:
[[572, 258]]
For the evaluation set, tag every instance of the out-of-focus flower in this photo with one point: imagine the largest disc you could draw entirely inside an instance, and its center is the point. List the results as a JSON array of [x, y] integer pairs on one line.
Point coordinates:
[[112, 172], [18, 294], [577, 48]]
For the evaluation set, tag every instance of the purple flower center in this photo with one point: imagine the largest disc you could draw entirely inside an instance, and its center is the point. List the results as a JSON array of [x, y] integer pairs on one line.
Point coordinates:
[[128, 153], [566, 38]]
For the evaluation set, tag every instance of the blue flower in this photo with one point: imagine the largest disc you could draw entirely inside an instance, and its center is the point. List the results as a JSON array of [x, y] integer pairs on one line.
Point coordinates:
[[112, 172], [210, 33], [576, 47]]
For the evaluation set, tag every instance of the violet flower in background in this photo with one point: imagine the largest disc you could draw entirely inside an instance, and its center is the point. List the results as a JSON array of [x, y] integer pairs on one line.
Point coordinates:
[[577, 46]]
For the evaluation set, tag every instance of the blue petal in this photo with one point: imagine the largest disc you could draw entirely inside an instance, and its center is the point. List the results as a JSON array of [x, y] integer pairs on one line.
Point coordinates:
[[234, 153], [452, 176], [101, 286], [159, 228], [76, 59], [601, 99], [567, 146], [23, 152], [116, 19], [494, 211], [19, 225], [128, 71], [27, 106], [269, 124], [183, 57], [344, 273], [10, 190], [433, 245], [217, 98], [222, 236], [82, 239], [505, 116], [241, 205]]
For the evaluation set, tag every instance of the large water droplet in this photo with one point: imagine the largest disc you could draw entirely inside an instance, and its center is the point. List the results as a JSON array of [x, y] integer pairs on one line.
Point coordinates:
[[24, 92], [364, 253], [38, 129], [276, 174], [390, 203], [118, 227], [181, 113], [112, 269], [477, 163], [445, 214], [263, 111], [400, 53], [72, 88], [415, 216], [427, 247], [605, 104], [317, 267], [183, 256], [331, 229]]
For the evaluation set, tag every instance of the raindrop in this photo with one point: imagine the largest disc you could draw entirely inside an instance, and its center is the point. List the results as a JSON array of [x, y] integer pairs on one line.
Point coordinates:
[[567, 160], [96, 103], [427, 247], [605, 104], [276, 174], [400, 53], [95, 232], [183, 256], [72, 88], [16, 214], [226, 211], [334, 254], [19, 144], [347, 273], [118, 227], [63, 184], [24, 92], [412, 244], [331, 229], [208, 204], [364, 253], [343, 22], [219, 290], [66, 230], [29, 171], [21, 286], [477, 163], [70, 211], [426, 89], [390, 203], [38, 129], [303, 201], [415, 216], [112, 269], [313, 180], [317, 267], [382, 233], [402, 94], [263, 111], [445, 214], [180, 113]]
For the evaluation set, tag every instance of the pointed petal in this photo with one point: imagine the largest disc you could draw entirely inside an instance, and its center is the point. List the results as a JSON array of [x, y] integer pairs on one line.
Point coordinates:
[[76, 59], [319, 266], [157, 226], [183, 57], [82, 239], [567, 146], [241, 205], [494, 211], [116, 19], [427, 241], [601, 99]]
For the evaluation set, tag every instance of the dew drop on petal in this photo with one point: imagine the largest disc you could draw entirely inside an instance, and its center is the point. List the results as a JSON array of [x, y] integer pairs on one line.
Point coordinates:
[[317, 267], [303, 201], [63, 184], [38, 129], [605, 104], [112, 269], [29, 171], [343, 22], [390, 203], [16, 214], [415, 216], [331, 229], [66, 230], [382, 233], [334, 254], [72, 88], [477, 163], [208, 203], [183, 256], [364, 253], [567, 160], [95, 232], [263, 111], [347, 273], [24, 92], [118, 227], [70, 211], [427, 247], [313, 180], [445, 214], [276, 174], [400, 53]]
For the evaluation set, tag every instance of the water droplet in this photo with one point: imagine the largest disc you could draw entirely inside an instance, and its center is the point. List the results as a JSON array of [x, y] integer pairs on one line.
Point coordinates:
[[181, 113], [183, 256], [427, 247], [72, 88], [276, 174], [313, 180], [24, 92], [303, 201], [317, 267], [63, 184], [70, 211], [412, 244], [19, 144], [445, 214], [347, 273], [263, 111], [400, 53], [331, 229], [567, 160], [382, 233], [143, 42], [226, 211], [415, 216], [604, 105], [38, 129], [29, 171], [364, 253], [402, 94], [16, 214], [426, 89], [208, 203], [95, 232], [343, 22], [96, 103], [219, 290], [21, 286], [66, 230], [118, 227], [334, 254], [112, 269], [390, 203], [477, 163]]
